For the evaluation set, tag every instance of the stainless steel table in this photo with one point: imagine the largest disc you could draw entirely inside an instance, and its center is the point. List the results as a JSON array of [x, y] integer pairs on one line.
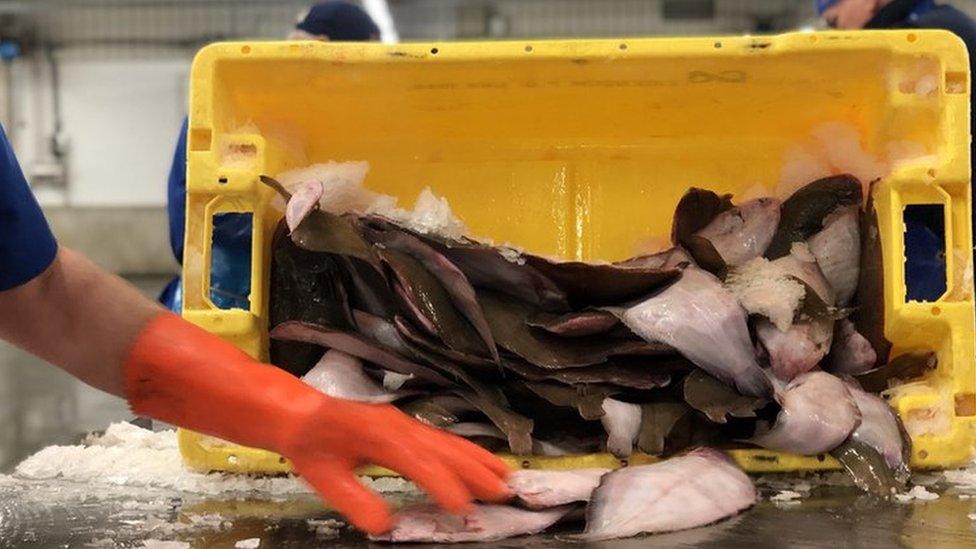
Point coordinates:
[[57, 513]]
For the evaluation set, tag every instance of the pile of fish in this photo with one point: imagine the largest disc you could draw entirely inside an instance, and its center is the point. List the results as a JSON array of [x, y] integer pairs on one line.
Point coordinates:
[[761, 326]]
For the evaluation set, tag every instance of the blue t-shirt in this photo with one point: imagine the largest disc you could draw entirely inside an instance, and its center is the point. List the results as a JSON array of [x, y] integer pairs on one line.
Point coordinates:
[[27, 246]]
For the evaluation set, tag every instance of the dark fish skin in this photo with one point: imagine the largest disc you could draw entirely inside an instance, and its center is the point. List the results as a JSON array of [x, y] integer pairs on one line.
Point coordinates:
[[368, 289], [658, 419], [417, 341], [508, 320], [356, 345], [451, 278], [696, 209], [803, 212], [869, 316], [325, 232], [587, 399], [322, 231], [641, 373], [426, 298], [437, 410], [672, 258], [576, 324], [903, 367], [304, 286], [487, 268], [717, 400], [601, 283]]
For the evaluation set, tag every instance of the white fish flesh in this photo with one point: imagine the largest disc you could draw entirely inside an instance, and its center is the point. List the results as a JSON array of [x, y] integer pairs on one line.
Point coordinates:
[[696, 489], [837, 248], [818, 413], [797, 350], [537, 489], [851, 353], [622, 422], [801, 264], [392, 381], [744, 232], [764, 289], [702, 320], [431, 524], [305, 199], [341, 376]]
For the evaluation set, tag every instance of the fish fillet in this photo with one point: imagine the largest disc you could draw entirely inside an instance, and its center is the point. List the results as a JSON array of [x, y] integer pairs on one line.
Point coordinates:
[[431, 524], [341, 376], [699, 488], [537, 489], [622, 422], [818, 414], [705, 323]]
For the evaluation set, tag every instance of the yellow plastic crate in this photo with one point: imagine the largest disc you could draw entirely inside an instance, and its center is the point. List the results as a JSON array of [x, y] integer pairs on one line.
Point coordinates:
[[582, 148]]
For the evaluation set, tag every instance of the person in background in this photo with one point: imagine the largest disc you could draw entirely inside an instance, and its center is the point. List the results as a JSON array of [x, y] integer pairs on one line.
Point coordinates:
[[58, 305], [230, 282], [924, 245]]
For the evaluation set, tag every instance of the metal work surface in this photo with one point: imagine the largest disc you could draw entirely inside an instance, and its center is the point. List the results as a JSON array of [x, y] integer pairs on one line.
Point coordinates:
[[57, 513], [46, 406]]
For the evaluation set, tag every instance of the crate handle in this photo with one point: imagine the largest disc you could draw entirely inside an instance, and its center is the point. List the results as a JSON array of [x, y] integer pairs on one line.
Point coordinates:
[[926, 250], [237, 272]]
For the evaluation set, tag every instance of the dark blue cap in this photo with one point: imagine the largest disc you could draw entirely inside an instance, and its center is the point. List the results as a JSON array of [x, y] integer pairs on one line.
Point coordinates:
[[340, 21], [824, 5]]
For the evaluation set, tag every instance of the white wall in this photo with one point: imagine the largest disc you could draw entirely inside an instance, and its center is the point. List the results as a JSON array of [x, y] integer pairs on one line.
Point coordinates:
[[120, 115]]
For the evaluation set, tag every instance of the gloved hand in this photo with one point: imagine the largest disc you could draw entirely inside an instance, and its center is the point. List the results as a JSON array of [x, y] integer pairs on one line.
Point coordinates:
[[178, 373]]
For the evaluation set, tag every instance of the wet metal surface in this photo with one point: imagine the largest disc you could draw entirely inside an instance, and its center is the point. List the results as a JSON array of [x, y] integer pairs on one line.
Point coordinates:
[[56, 513], [40, 405]]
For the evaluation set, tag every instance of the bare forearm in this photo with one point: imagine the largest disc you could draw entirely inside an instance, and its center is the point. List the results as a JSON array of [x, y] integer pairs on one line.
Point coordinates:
[[78, 317]]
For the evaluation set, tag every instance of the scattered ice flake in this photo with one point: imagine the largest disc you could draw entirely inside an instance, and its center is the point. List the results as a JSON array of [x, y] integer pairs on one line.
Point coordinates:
[[390, 485], [512, 254], [127, 455], [962, 478], [162, 544], [325, 528], [786, 495], [917, 492], [212, 521], [250, 543], [765, 288]]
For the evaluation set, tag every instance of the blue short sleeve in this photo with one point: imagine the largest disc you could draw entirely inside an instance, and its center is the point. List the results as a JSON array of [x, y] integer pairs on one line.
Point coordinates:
[[176, 195], [27, 246]]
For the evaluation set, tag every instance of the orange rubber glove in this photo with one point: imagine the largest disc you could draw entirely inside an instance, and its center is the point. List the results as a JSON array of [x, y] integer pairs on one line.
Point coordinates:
[[183, 375]]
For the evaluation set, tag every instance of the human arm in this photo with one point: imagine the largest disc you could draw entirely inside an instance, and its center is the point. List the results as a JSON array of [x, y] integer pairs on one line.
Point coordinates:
[[100, 329]]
